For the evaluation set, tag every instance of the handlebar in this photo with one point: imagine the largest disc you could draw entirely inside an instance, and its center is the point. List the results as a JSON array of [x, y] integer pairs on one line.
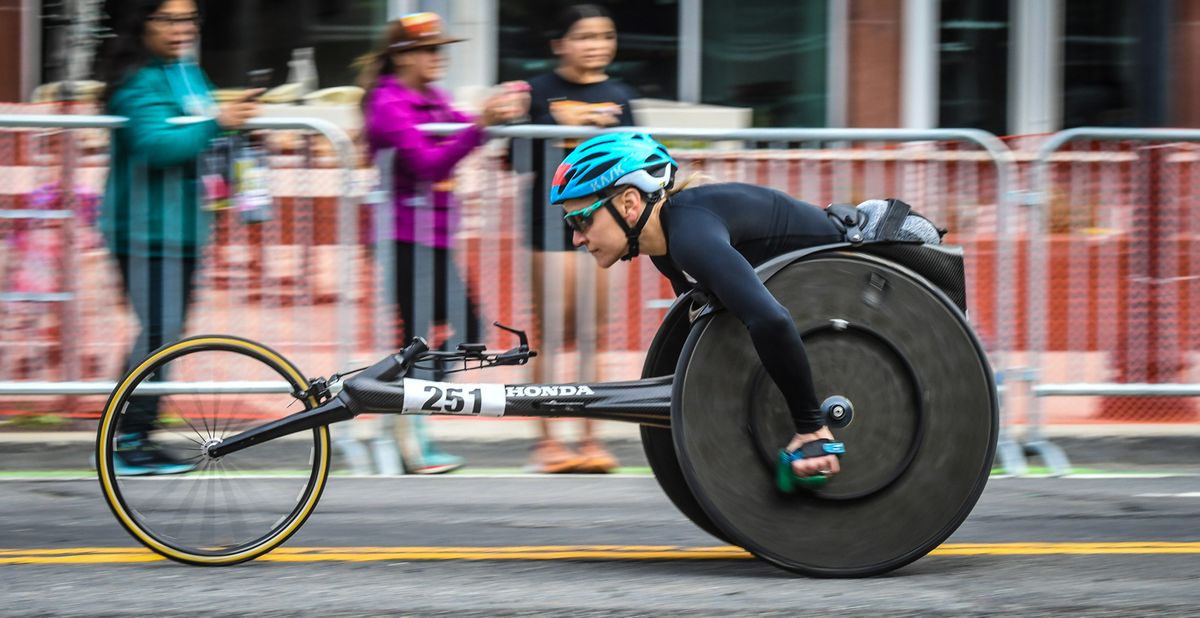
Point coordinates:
[[378, 387], [468, 353]]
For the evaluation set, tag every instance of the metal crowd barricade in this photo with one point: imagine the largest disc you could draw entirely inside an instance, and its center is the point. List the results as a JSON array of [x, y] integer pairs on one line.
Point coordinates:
[[588, 324], [963, 179], [1114, 279], [288, 278]]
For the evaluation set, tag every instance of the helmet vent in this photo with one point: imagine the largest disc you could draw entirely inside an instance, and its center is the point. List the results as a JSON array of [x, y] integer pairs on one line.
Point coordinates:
[[589, 157], [594, 173]]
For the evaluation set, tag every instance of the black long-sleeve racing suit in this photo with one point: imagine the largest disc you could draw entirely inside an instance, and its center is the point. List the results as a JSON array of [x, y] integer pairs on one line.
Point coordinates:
[[716, 235]]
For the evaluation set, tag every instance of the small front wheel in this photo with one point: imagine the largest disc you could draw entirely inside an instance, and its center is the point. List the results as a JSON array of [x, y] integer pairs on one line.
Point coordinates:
[[153, 465]]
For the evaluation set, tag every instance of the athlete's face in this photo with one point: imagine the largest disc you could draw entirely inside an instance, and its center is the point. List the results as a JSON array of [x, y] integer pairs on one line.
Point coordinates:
[[599, 232], [590, 44]]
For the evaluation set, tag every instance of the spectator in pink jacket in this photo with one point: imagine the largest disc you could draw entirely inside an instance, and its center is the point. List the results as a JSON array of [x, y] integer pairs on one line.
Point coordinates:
[[398, 79]]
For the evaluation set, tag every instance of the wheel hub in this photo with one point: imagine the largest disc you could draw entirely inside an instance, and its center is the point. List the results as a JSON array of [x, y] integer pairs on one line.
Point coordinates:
[[207, 447]]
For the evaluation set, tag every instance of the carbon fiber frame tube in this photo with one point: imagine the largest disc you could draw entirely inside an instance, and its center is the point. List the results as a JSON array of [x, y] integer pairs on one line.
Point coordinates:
[[636, 401]]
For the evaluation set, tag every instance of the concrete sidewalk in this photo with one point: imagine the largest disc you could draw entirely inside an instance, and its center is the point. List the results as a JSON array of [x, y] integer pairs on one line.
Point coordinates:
[[505, 443], [454, 429], [440, 428]]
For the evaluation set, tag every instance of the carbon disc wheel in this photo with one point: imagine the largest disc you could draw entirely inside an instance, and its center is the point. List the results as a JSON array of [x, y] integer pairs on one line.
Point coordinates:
[[918, 452], [657, 442]]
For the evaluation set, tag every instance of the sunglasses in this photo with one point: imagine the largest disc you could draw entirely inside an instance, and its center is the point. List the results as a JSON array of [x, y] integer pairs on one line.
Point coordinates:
[[580, 220], [168, 20]]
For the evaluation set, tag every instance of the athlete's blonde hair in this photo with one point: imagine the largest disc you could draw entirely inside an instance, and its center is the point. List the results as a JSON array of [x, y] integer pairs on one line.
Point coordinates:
[[697, 178]]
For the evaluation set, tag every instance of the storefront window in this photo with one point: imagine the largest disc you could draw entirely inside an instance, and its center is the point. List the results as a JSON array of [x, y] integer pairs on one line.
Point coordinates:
[[647, 42], [770, 56], [1114, 63], [240, 35], [973, 64]]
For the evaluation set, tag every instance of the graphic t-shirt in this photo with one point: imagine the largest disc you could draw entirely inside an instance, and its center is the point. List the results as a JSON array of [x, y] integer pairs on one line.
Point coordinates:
[[547, 93]]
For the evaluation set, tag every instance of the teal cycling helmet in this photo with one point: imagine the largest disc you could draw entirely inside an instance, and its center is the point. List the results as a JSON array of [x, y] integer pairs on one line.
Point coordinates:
[[613, 160]]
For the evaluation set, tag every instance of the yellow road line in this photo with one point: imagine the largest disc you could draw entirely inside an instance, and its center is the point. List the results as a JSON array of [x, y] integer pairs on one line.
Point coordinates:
[[115, 555], [1088, 549]]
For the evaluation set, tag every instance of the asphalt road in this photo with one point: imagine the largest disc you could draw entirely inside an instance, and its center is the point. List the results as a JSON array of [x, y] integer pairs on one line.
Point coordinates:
[[1045, 546]]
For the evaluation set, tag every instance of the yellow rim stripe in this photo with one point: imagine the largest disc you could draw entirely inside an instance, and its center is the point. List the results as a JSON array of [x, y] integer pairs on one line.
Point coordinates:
[[109, 555], [102, 462]]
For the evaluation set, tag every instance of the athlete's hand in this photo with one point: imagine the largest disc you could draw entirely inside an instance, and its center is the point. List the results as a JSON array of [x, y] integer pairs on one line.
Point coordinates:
[[812, 466]]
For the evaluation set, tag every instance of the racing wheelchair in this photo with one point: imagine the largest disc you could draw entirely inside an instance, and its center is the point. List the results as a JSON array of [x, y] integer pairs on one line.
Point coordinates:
[[885, 328]]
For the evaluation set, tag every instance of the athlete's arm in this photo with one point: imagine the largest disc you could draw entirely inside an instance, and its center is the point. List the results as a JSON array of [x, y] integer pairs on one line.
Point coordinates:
[[700, 244]]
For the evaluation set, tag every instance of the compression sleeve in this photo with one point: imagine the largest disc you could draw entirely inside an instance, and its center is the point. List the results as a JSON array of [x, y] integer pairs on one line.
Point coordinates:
[[704, 251]]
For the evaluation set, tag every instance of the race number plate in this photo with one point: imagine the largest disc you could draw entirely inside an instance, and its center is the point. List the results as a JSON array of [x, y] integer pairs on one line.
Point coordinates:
[[425, 397]]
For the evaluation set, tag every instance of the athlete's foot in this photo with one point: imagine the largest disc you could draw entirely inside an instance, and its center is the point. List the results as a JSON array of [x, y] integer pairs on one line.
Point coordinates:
[[812, 466], [552, 457]]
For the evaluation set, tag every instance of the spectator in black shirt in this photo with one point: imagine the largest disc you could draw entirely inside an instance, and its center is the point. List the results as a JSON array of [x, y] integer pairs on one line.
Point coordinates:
[[578, 92]]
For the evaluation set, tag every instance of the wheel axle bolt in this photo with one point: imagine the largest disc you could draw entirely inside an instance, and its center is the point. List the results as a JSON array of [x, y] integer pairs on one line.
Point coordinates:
[[838, 411]]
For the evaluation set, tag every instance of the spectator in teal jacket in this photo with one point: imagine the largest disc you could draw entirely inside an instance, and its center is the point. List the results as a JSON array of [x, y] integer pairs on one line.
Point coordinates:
[[151, 216]]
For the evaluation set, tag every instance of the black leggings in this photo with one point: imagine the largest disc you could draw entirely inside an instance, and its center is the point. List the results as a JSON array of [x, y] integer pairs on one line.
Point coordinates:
[[160, 290], [429, 290]]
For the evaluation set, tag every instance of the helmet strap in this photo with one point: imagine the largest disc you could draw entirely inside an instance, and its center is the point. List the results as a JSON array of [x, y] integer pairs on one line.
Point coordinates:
[[632, 233]]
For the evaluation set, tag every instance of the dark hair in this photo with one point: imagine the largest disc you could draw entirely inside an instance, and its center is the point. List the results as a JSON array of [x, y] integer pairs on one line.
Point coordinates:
[[573, 14], [378, 62], [126, 53]]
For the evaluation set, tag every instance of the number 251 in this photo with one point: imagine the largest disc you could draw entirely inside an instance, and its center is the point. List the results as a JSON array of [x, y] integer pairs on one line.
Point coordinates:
[[453, 398]]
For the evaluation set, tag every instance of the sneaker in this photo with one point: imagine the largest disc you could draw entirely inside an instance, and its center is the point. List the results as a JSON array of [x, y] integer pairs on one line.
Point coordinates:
[[552, 457], [137, 455], [597, 459], [433, 460], [436, 462]]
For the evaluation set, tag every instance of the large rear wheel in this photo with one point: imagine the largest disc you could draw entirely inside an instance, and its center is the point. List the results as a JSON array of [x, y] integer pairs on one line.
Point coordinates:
[[918, 452]]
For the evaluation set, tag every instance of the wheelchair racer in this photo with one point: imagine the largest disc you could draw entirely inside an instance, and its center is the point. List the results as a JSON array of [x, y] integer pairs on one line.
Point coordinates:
[[619, 195]]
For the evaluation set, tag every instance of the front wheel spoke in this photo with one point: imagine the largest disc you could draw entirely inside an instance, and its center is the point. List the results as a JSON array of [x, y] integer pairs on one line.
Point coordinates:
[[216, 417], [204, 420], [156, 505], [181, 519], [209, 514], [237, 517], [272, 493], [203, 439], [187, 437], [258, 497]]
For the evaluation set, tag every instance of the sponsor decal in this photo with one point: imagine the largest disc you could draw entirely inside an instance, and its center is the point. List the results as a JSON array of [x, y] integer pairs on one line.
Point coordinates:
[[560, 390]]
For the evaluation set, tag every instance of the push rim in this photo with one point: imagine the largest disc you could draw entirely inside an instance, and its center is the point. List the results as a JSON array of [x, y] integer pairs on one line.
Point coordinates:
[[884, 444]]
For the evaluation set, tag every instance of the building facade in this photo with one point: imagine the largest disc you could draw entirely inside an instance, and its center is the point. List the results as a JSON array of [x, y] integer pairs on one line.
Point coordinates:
[[1008, 66]]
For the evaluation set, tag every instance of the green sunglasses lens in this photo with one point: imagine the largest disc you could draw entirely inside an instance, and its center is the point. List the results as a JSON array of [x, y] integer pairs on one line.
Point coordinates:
[[580, 220]]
